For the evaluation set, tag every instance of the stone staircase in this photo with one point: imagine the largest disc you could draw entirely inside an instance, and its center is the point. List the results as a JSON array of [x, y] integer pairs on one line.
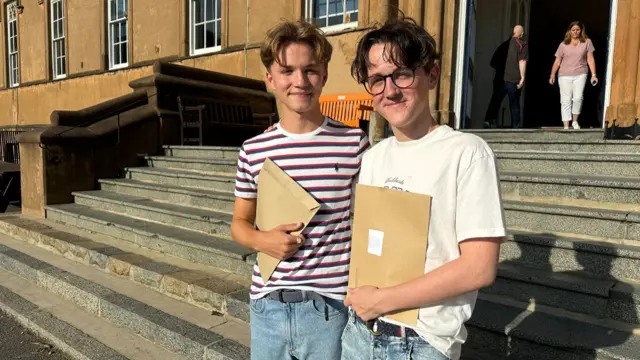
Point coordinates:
[[569, 280], [568, 284]]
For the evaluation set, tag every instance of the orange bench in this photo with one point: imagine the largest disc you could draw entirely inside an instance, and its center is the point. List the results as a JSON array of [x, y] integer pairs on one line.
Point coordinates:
[[349, 109]]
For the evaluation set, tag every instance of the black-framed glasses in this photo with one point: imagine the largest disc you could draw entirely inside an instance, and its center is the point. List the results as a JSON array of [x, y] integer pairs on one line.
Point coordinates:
[[401, 78]]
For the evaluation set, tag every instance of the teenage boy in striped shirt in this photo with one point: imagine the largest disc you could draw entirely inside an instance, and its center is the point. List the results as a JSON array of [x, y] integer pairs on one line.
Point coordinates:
[[299, 313]]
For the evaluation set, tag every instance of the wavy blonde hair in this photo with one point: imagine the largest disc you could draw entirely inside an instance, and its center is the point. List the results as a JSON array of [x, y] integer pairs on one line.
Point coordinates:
[[289, 32], [583, 32]]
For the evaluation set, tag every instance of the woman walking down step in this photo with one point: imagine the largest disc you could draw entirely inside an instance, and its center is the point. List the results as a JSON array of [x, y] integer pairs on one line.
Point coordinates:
[[572, 57]]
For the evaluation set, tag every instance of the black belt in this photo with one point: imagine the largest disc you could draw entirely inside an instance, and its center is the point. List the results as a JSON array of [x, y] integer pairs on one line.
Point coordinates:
[[297, 296], [379, 327], [293, 296]]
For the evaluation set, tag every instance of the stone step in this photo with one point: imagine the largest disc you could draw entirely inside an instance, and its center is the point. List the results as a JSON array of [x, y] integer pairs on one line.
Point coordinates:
[[180, 328], [607, 259], [206, 199], [185, 244], [515, 332], [203, 165], [598, 222], [604, 164], [592, 146], [181, 178], [625, 190], [202, 152], [196, 219], [575, 291], [540, 134], [45, 317], [206, 287]]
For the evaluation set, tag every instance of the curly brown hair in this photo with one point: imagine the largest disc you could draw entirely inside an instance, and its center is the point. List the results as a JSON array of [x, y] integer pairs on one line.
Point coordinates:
[[407, 43]]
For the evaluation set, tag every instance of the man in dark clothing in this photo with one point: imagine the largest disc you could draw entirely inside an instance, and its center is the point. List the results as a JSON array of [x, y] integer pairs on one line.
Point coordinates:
[[498, 61], [515, 65]]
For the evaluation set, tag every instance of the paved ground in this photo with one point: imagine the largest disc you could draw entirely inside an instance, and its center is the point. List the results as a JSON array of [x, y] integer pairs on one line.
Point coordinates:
[[18, 343]]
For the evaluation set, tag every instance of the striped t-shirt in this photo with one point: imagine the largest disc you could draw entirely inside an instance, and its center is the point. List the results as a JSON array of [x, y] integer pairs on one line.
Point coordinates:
[[324, 162]]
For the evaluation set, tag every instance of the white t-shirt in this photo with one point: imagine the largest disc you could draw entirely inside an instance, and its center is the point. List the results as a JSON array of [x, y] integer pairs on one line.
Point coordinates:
[[458, 170]]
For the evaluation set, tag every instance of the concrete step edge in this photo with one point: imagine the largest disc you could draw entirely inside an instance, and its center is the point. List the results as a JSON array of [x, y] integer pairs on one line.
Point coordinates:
[[191, 160], [225, 254], [571, 210], [572, 180], [228, 177], [170, 332], [621, 248], [221, 294], [576, 281], [189, 147], [223, 195], [568, 156], [555, 327], [98, 196], [63, 335]]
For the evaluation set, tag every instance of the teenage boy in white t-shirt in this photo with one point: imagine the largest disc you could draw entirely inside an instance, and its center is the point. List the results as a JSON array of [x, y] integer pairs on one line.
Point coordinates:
[[396, 63]]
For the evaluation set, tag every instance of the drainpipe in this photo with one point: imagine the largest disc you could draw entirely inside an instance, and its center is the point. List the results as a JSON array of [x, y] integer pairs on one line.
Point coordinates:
[[246, 44]]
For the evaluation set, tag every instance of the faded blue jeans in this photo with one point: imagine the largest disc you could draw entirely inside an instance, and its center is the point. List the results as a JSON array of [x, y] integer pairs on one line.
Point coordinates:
[[358, 343], [297, 330]]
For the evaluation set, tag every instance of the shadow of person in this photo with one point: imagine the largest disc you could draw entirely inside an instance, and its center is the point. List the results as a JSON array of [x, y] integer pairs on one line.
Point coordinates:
[[576, 309]]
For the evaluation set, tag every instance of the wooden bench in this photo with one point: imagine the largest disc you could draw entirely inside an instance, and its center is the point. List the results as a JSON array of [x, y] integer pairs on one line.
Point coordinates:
[[349, 109]]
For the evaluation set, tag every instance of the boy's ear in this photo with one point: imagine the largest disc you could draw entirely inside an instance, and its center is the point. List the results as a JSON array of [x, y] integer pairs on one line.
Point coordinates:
[[269, 79], [434, 76]]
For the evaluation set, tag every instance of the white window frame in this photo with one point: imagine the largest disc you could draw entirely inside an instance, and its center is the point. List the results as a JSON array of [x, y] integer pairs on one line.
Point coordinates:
[[13, 59], [217, 10], [58, 50], [110, 29], [310, 5]]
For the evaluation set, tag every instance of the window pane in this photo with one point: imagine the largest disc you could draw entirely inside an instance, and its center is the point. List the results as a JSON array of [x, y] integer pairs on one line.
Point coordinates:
[[62, 49], [336, 20], [320, 22], [352, 5], [199, 37], [123, 31], [63, 64], [218, 33], [218, 9], [320, 9], [210, 36], [116, 55], [122, 8], [61, 28], [198, 7], [58, 7], [123, 53], [210, 11], [335, 7], [59, 66], [353, 17], [113, 9], [115, 33]]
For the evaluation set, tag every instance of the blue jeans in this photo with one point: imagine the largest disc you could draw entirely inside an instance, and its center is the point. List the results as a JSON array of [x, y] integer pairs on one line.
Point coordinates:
[[297, 330], [514, 103], [358, 343]]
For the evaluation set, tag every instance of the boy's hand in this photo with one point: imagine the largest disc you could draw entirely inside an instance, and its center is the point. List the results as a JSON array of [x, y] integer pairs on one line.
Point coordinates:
[[365, 301], [280, 243]]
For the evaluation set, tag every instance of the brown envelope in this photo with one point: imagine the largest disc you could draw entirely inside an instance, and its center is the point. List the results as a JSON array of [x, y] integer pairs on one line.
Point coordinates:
[[280, 201], [389, 240]]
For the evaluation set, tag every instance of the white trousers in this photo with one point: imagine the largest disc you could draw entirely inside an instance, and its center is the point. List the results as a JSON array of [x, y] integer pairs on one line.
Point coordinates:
[[571, 89]]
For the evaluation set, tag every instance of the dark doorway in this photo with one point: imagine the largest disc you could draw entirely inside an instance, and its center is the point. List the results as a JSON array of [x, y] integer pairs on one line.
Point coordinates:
[[548, 23]]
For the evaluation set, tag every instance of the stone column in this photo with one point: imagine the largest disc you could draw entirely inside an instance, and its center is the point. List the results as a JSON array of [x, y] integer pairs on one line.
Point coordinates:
[[625, 81]]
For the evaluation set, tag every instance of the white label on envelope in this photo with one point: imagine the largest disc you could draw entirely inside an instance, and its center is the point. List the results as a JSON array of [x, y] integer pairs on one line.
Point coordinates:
[[375, 242]]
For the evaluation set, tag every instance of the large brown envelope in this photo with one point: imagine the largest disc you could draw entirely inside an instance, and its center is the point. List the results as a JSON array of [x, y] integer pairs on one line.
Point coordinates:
[[389, 240], [280, 201]]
